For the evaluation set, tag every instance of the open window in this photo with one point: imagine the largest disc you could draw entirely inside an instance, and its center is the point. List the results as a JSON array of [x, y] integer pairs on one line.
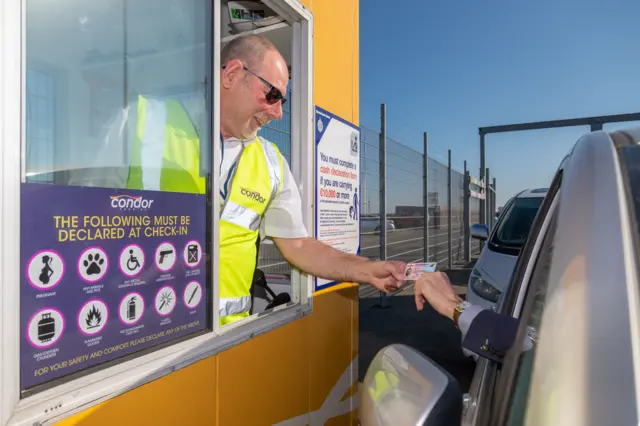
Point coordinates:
[[117, 210], [258, 17]]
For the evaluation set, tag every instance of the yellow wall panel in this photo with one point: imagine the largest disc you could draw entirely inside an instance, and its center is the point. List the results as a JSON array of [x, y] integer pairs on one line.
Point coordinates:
[[337, 56], [265, 380], [186, 397], [334, 331]]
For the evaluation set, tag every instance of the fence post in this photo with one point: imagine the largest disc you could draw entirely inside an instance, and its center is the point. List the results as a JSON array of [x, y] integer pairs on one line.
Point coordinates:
[[495, 199], [383, 192], [481, 177], [450, 248], [487, 190], [466, 215], [425, 196]]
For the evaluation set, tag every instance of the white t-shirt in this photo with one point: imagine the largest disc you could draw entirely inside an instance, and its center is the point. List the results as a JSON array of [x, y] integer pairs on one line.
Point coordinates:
[[283, 217]]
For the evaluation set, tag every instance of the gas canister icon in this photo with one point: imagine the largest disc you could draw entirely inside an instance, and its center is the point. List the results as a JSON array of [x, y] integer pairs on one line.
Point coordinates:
[[192, 253], [46, 328]]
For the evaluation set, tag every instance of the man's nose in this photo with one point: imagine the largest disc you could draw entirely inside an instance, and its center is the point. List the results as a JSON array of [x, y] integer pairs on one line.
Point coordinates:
[[275, 111]]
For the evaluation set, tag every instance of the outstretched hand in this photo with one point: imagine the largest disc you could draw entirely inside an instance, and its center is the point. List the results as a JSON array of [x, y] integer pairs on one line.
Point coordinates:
[[384, 275], [436, 289]]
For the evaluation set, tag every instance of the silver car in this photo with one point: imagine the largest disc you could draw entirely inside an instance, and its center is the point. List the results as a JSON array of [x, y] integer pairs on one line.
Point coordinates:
[[492, 271], [576, 292]]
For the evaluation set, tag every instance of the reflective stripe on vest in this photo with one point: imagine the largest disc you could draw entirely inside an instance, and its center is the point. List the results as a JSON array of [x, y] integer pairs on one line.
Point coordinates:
[[257, 180], [166, 149]]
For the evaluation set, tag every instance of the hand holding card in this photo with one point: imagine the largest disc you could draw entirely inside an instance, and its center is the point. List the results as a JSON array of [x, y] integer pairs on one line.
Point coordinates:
[[413, 271]]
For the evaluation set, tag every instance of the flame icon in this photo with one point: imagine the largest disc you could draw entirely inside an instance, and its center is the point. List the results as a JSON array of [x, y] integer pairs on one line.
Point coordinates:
[[94, 318]]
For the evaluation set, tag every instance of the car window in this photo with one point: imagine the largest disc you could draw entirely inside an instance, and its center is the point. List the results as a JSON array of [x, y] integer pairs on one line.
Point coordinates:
[[534, 307], [514, 227], [630, 159]]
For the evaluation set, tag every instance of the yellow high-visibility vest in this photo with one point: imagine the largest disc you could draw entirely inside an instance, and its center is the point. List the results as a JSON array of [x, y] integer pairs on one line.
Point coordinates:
[[178, 169], [256, 180]]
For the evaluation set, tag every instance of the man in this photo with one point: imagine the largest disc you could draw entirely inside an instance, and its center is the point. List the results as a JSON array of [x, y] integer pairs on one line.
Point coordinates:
[[484, 333], [253, 78], [160, 140]]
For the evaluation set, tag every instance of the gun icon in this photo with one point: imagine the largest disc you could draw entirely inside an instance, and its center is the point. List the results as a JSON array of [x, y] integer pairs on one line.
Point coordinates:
[[164, 253]]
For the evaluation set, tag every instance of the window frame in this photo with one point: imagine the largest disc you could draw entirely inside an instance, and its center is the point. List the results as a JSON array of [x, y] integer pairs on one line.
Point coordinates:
[[63, 400], [485, 382]]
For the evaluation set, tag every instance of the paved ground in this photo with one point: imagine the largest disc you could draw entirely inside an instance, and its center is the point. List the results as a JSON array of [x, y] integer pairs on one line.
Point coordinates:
[[427, 331]]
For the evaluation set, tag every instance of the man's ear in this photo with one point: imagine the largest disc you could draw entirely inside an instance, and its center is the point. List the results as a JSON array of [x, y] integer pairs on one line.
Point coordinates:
[[231, 73]]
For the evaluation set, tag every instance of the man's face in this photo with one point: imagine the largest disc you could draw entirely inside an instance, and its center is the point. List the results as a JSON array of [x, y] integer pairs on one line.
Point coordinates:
[[251, 93]]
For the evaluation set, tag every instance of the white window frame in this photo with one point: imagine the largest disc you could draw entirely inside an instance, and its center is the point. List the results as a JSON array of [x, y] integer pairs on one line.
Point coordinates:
[[68, 398]]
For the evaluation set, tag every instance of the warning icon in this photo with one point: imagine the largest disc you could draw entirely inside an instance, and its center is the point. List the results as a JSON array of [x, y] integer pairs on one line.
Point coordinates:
[[131, 260], [45, 269], [45, 328], [192, 253], [92, 317], [131, 308], [93, 264]]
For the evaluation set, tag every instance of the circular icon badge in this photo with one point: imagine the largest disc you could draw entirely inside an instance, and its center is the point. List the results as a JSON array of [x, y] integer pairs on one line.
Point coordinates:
[[165, 301], [192, 294], [93, 264], [131, 260], [131, 308], [92, 317], [192, 253], [45, 269], [45, 328], [165, 256]]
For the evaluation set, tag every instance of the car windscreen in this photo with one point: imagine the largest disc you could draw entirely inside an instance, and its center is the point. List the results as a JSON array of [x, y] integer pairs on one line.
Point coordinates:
[[513, 228]]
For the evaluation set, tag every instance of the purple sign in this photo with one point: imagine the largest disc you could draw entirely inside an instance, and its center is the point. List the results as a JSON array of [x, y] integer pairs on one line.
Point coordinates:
[[106, 273]]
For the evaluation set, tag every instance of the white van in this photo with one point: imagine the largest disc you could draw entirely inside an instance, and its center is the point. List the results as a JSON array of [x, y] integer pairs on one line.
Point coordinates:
[[491, 273]]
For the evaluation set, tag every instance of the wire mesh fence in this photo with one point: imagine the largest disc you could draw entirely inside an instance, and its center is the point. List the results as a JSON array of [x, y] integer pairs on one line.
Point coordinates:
[[453, 198]]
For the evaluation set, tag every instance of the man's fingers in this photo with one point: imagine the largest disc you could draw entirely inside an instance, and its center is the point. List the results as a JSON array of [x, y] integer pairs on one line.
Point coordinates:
[[419, 301]]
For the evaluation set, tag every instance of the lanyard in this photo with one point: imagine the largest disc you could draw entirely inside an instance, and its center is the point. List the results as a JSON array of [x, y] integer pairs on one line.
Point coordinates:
[[224, 190]]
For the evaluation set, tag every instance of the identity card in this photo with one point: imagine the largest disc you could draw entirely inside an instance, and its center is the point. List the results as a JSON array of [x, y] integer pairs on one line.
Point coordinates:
[[413, 271]]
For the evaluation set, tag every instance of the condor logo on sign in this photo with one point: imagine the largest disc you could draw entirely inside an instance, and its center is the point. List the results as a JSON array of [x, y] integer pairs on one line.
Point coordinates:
[[128, 202], [252, 195]]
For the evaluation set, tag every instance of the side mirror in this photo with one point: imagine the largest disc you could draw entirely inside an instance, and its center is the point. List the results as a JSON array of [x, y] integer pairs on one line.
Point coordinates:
[[479, 231], [404, 387]]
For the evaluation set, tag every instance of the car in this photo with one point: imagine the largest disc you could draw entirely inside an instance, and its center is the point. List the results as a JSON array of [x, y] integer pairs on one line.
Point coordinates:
[[371, 224], [490, 275], [575, 293]]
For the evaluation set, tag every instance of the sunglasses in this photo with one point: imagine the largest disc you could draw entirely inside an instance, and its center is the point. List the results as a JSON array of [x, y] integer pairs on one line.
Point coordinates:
[[273, 95]]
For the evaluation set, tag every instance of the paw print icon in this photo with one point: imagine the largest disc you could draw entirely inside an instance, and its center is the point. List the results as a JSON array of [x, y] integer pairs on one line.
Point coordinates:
[[93, 264]]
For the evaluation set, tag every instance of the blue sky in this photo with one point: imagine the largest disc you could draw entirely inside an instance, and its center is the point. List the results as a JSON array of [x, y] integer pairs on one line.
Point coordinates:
[[450, 67]]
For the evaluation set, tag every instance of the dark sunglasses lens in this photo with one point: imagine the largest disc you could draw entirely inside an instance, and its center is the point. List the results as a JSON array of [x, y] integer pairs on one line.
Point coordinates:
[[274, 95]]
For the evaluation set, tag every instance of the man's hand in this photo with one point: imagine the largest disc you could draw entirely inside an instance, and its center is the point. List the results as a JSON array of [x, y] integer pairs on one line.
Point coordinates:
[[435, 288], [385, 276], [323, 261]]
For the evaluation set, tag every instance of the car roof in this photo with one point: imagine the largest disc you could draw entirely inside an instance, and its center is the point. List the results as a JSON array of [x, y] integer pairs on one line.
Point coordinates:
[[533, 193]]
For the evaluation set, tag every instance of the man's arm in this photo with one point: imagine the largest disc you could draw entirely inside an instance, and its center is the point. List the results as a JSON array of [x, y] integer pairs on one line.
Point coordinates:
[[322, 260], [484, 332], [487, 333], [283, 224]]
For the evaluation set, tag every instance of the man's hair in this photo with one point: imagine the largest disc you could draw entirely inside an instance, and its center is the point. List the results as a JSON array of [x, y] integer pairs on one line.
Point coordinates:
[[250, 49]]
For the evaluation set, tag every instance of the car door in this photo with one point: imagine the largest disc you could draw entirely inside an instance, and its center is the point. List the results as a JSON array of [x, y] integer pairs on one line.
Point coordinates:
[[581, 306], [483, 386]]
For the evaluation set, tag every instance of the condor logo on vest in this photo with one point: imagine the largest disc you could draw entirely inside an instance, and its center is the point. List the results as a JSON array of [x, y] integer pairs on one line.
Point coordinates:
[[252, 195]]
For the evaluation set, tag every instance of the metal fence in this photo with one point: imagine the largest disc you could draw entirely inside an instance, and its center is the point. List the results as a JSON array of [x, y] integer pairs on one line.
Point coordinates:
[[392, 186]]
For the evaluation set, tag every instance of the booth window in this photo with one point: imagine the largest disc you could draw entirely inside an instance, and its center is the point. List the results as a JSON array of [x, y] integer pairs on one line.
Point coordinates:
[[114, 226], [118, 238]]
